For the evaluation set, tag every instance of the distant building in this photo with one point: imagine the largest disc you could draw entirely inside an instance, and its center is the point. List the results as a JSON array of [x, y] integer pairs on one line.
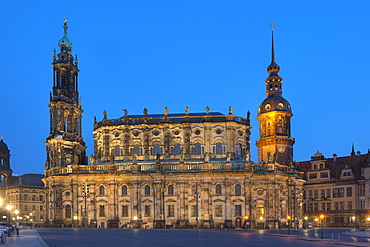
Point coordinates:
[[168, 170], [338, 188], [25, 194]]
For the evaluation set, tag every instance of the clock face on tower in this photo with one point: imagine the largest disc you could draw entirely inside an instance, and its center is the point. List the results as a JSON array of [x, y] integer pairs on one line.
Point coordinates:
[[281, 149]]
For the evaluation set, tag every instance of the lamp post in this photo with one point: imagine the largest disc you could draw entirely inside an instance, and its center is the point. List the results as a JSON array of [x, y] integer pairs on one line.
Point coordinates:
[[246, 218], [305, 222], [288, 218], [9, 208], [322, 225]]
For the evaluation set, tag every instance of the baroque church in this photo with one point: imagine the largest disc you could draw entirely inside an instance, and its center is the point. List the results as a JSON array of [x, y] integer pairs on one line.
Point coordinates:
[[169, 170]]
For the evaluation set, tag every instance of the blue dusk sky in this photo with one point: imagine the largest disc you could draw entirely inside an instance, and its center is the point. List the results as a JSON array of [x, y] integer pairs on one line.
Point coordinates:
[[156, 54]]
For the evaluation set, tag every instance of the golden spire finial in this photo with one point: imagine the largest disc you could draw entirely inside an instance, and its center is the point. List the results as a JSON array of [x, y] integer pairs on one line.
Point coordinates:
[[65, 18], [272, 25]]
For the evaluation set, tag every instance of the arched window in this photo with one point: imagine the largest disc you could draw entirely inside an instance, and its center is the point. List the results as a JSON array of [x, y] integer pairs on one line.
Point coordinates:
[[176, 149], [147, 190], [314, 166], [197, 148], [102, 191], [157, 149], [68, 211], [239, 149], [321, 166], [137, 150], [238, 190], [218, 148], [117, 151], [124, 190], [170, 190], [218, 190]]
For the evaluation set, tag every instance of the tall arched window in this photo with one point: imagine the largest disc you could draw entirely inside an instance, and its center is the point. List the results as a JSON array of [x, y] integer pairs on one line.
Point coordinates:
[[218, 190], [124, 190], [170, 190], [239, 149], [147, 190], [117, 151], [218, 148], [101, 190], [238, 190], [68, 211], [176, 149], [197, 148], [137, 150], [157, 149]]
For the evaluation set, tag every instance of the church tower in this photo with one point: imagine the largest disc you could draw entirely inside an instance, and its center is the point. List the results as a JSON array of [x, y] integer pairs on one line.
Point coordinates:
[[65, 145], [275, 143]]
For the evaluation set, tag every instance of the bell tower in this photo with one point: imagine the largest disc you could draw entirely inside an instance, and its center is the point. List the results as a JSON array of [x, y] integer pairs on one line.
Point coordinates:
[[65, 145], [275, 143]]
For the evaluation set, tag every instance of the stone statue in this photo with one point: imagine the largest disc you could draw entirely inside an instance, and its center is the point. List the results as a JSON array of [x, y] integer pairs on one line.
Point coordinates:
[[230, 110], [111, 159], [125, 111], [228, 157], [206, 157], [165, 111], [248, 114], [94, 120], [207, 110], [134, 159], [105, 114], [182, 157], [75, 160], [145, 111], [92, 160], [187, 110]]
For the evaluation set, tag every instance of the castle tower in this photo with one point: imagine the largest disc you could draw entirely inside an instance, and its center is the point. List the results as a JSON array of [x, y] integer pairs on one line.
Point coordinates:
[[65, 145], [275, 143]]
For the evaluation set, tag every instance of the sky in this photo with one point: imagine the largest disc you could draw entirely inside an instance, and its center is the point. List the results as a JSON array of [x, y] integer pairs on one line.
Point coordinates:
[[155, 54]]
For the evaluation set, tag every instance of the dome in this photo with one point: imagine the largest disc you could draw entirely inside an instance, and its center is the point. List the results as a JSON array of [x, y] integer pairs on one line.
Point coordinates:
[[3, 146], [64, 43], [274, 103]]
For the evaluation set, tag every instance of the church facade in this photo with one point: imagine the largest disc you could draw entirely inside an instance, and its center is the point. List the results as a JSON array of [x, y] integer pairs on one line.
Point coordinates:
[[168, 170]]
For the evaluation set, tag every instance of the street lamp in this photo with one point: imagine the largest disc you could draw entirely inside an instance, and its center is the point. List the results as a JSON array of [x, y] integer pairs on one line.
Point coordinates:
[[288, 218], [322, 225], [246, 218], [305, 222], [9, 208]]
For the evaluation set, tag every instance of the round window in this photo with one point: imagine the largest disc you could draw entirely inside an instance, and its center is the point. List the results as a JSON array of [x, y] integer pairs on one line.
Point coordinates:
[[268, 107], [280, 105], [155, 133], [197, 132], [136, 133], [176, 132], [116, 135], [240, 132], [218, 132]]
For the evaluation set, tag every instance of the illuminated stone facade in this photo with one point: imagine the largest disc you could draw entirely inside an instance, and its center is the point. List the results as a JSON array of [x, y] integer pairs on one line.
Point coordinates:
[[163, 170]]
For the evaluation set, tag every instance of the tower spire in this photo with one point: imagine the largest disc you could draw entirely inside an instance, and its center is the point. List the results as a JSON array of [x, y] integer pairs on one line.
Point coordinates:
[[353, 149], [273, 46], [64, 44]]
